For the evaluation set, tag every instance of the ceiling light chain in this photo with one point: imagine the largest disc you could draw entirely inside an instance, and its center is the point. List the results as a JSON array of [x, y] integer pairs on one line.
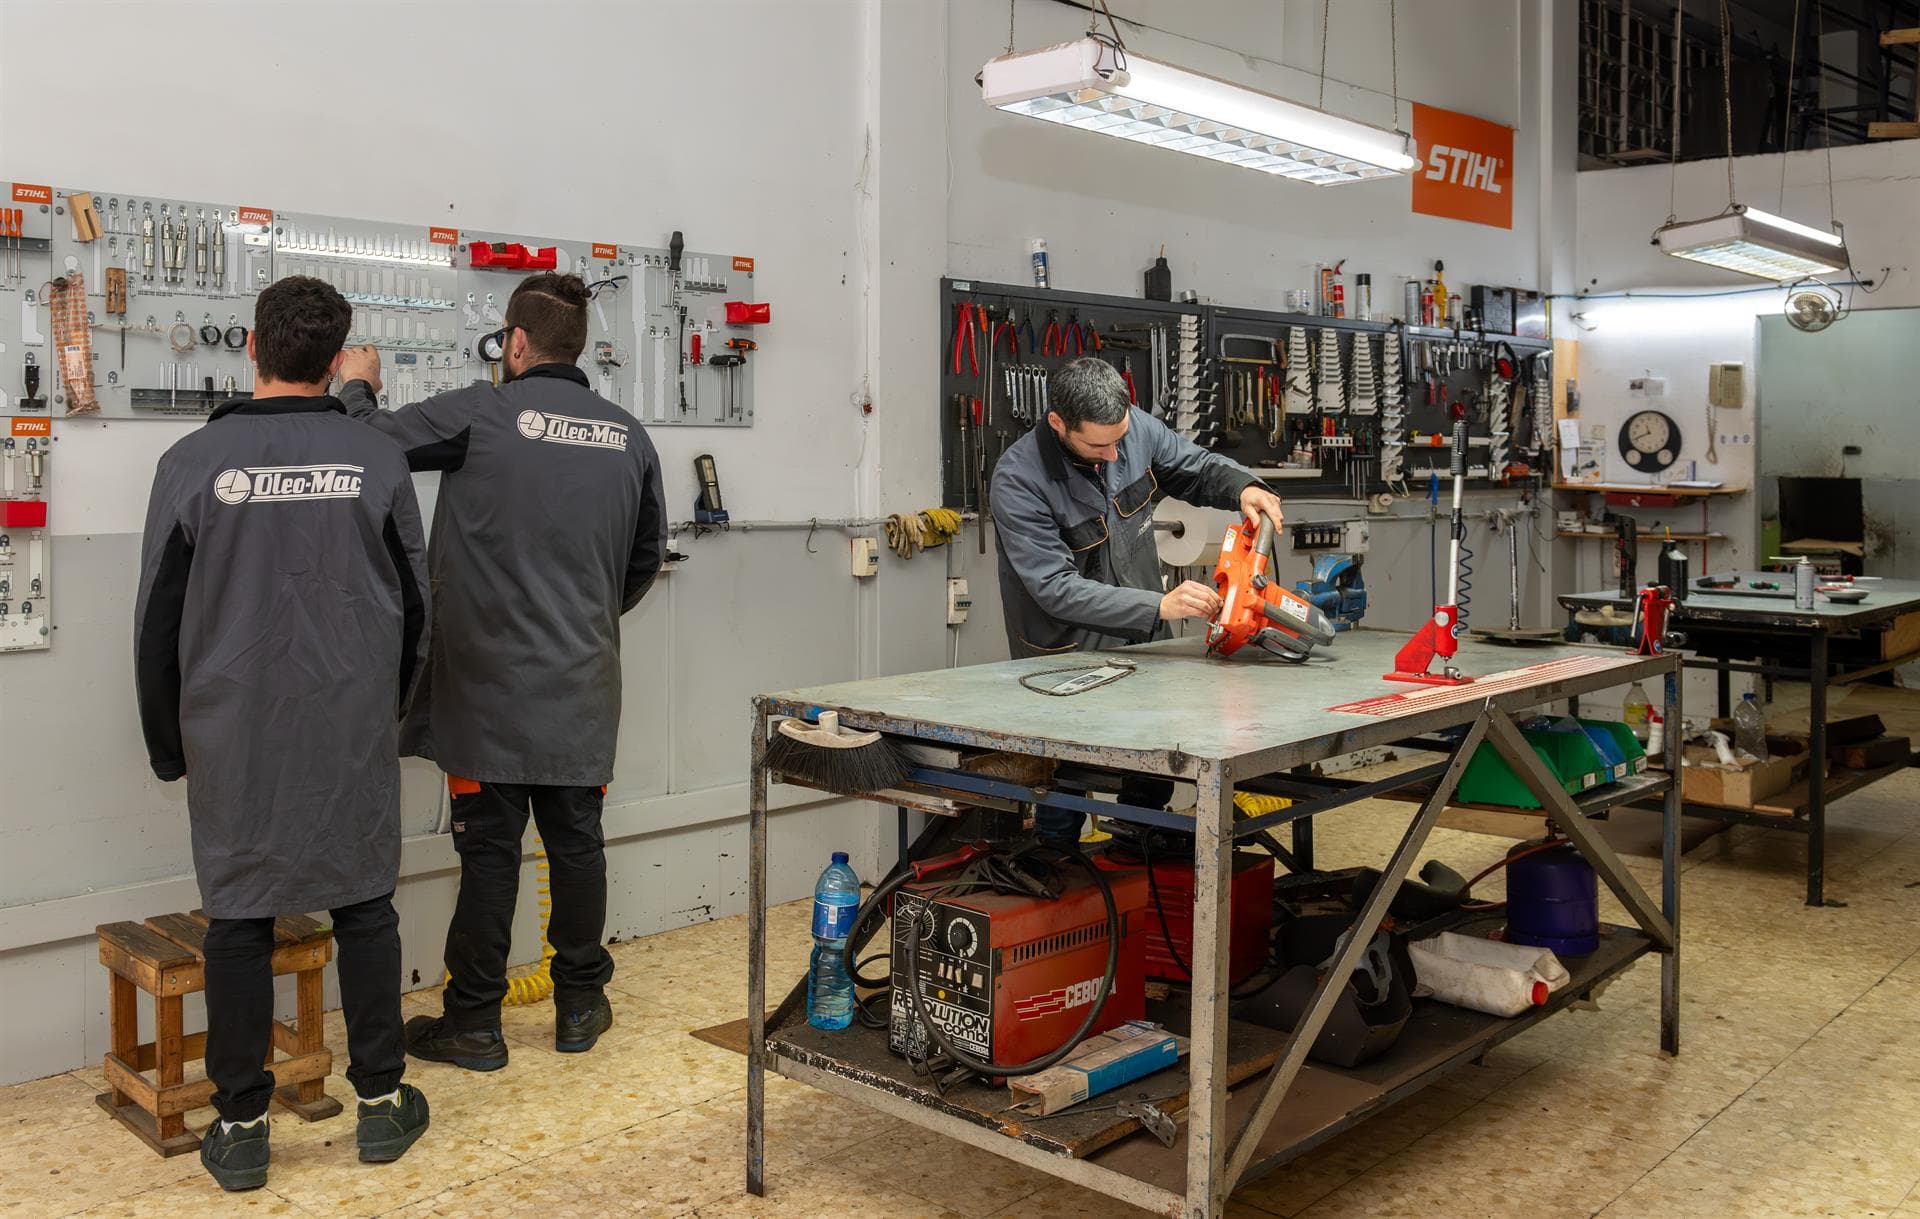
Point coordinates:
[[1726, 90], [1393, 46], [1786, 120], [1673, 136], [1326, 27]]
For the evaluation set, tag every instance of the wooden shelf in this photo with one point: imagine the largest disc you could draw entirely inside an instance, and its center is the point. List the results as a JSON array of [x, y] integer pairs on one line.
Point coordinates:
[[1676, 492], [1659, 537]]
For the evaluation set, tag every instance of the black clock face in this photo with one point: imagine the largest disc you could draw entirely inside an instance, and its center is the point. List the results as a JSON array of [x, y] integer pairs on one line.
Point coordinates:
[[1650, 441]]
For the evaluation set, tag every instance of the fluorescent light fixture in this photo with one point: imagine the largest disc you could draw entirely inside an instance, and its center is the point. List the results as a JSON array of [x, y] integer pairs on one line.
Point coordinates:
[[1753, 242], [1093, 86]]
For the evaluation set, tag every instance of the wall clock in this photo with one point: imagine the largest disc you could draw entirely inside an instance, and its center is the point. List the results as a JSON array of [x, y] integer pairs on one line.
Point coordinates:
[[1650, 441]]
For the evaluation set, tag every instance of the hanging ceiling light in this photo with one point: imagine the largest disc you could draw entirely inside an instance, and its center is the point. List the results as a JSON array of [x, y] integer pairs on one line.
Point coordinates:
[[1753, 242], [1096, 85], [1742, 238]]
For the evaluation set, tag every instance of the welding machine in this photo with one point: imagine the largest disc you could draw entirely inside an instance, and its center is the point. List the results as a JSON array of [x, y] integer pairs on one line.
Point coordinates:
[[1008, 977], [1169, 916]]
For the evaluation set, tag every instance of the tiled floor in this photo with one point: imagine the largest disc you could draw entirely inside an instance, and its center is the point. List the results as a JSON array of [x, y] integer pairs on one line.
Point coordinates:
[[1797, 1092]]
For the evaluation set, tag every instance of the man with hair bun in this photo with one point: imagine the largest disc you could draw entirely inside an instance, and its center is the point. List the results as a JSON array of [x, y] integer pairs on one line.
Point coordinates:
[[550, 524]]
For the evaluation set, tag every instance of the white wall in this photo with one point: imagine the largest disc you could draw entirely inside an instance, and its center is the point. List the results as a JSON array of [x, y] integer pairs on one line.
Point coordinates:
[[748, 136], [838, 141], [1687, 316], [1106, 206]]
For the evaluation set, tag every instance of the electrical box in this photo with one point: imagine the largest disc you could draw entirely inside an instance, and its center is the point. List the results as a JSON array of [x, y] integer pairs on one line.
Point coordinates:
[[26, 583], [959, 601], [866, 557], [1727, 385]]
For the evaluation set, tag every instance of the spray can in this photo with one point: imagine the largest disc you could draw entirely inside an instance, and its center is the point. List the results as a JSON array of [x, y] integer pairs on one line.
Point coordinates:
[[1439, 293], [1410, 293], [1363, 297], [1803, 578], [1040, 276], [1427, 317]]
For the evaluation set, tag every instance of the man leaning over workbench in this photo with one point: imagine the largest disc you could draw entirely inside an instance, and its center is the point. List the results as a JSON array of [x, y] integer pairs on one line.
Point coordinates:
[[1072, 505], [550, 525]]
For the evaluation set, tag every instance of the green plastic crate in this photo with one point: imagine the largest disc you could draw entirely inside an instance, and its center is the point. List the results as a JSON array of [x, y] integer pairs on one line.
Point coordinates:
[[1567, 753], [1627, 743]]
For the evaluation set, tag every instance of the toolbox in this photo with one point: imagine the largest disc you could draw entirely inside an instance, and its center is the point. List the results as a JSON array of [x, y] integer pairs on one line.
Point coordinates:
[[1563, 745]]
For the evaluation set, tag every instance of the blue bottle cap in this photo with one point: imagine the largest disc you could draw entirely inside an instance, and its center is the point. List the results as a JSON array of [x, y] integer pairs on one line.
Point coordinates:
[[839, 857]]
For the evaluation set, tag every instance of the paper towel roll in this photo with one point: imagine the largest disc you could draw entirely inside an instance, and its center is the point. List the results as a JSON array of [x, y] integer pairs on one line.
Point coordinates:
[[1196, 541]]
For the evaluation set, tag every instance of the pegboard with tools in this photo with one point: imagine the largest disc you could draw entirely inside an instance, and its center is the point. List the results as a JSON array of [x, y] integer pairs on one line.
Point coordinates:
[[1002, 344], [144, 304], [26, 580], [1309, 402]]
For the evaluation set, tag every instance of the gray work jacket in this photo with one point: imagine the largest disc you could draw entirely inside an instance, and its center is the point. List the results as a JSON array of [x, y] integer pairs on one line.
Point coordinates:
[[1078, 565], [550, 524], [280, 622]]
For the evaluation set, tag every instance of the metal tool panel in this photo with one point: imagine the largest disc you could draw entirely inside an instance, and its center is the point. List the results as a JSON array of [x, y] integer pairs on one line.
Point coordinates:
[[1181, 705], [419, 292]]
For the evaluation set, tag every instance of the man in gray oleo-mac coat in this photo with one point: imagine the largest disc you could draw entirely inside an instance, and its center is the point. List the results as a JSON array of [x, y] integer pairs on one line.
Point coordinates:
[[281, 618]]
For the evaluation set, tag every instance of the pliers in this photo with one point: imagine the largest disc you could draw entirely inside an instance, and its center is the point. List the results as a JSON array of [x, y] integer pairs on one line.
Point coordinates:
[[1073, 332], [1094, 341], [963, 337], [1126, 374], [1052, 343], [1025, 328], [1011, 331]]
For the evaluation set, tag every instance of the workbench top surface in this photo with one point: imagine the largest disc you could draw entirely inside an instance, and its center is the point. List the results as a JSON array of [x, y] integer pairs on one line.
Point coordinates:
[[1182, 705], [1885, 599]]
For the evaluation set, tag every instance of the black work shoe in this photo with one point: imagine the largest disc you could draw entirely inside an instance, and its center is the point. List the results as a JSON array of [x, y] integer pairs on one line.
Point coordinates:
[[575, 1032], [431, 1038], [388, 1128], [236, 1158]]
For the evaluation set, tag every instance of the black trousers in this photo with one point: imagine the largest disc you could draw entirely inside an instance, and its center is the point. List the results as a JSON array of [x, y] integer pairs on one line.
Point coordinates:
[[366, 942], [487, 829]]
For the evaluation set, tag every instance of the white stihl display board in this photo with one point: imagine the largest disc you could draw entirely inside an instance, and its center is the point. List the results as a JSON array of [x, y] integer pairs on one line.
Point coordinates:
[[135, 306]]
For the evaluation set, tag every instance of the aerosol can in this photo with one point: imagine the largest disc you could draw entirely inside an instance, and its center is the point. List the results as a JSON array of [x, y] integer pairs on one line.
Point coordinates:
[[1333, 293], [1803, 580]]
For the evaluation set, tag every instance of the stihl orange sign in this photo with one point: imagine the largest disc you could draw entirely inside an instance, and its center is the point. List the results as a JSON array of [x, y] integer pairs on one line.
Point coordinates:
[[33, 427], [262, 216], [602, 250], [1466, 167], [439, 236], [27, 192]]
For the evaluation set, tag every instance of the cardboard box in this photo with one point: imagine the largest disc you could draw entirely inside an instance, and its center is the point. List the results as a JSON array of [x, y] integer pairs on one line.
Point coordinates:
[[1097, 1065], [1901, 637], [1705, 783], [1869, 755]]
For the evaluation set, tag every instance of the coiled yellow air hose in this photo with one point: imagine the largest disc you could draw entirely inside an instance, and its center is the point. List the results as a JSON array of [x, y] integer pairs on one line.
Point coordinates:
[[536, 984]]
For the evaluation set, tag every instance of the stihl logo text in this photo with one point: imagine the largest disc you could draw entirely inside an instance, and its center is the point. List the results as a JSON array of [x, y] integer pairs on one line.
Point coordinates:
[[286, 484], [561, 429], [1463, 167]]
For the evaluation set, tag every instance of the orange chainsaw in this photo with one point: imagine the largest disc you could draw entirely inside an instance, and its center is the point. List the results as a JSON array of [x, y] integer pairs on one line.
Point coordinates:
[[1254, 608]]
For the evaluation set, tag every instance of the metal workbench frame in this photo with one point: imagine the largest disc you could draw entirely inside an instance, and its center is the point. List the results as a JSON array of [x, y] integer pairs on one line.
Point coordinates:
[[1769, 624], [1216, 1158]]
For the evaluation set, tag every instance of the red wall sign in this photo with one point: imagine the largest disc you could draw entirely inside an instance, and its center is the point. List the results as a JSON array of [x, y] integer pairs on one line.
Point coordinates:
[[1466, 167]]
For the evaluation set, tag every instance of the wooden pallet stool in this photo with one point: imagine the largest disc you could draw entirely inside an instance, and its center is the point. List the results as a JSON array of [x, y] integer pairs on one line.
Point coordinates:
[[166, 958]]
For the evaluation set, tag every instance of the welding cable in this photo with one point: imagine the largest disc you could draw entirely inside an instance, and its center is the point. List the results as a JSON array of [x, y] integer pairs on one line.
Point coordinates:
[[1153, 887], [1002, 1070]]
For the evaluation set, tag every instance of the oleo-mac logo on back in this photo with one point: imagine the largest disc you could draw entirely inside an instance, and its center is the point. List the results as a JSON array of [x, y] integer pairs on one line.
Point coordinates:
[[286, 484], [563, 429]]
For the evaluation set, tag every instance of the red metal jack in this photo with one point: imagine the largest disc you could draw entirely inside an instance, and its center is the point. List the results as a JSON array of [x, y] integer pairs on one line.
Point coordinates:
[[1650, 615], [1440, 634]]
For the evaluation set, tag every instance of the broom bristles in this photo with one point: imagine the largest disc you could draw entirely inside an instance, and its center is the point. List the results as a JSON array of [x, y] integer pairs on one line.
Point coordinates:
[[850, 772]]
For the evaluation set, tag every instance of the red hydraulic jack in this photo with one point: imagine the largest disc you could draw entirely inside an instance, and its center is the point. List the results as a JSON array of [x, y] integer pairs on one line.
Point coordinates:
[[1440, 635]]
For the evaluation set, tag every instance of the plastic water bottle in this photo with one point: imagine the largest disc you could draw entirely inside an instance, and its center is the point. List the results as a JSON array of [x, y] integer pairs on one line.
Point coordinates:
[[836, 899], [1636, 712], [1750, 728]]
